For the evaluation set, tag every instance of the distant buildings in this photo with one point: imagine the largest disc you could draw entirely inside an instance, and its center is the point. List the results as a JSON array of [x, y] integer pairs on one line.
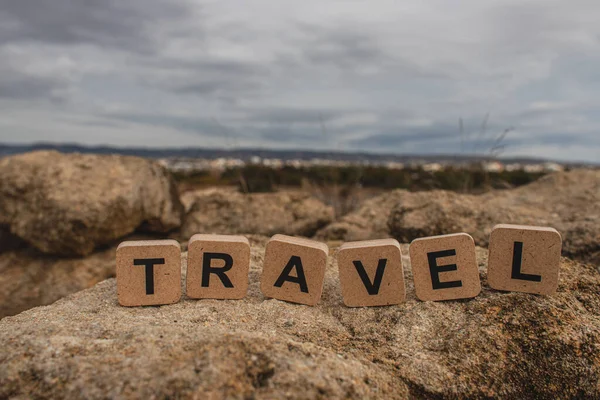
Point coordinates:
[[190, 165]]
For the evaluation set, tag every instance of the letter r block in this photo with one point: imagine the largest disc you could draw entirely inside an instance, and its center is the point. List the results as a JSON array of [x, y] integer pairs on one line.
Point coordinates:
[[148, 273], [445, 267], [371, 273], [218, 267], [294, 269], [524, 259]]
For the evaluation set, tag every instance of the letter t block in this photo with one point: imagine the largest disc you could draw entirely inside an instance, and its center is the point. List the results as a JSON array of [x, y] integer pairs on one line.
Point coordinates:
[[148, 273]]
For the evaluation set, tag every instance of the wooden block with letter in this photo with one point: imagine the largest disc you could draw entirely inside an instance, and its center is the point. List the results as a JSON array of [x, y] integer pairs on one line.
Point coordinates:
[[148, 273], [524, 259], [218, 267], [294, 269], [445, 267], [371, 273]]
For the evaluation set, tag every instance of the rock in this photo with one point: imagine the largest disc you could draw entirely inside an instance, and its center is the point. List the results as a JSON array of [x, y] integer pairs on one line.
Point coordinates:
[[189, 198], [569, 202], [228, 212], [369, 221], [70, 204], [30, 279], [498, 345], [8, 241]]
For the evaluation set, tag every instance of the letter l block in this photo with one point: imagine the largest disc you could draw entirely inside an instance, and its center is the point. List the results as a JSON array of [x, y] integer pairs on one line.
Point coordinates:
[[524, 259]]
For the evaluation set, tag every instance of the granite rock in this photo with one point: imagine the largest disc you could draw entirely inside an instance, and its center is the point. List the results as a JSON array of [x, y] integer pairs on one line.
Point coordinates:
[[498, 345], [70, 204]]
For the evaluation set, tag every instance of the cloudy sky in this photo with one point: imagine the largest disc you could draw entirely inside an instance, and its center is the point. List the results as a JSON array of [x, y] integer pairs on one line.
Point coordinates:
[[375, 75]]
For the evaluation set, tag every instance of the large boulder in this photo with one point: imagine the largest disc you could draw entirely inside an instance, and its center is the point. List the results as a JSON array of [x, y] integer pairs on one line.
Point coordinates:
[[70, 204], [498, 345], [369, 221], [569, 202], [230, 212], [29, 279]]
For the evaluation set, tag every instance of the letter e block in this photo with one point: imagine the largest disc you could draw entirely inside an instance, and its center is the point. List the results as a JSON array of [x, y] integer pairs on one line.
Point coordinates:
[[294, 269], [445, 267], [524, 259], [148, 273], [371, 273], [218, 267]]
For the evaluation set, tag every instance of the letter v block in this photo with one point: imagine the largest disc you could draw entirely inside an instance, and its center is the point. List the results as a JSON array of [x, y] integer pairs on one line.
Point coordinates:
[[524, 259], [218, 267], [445, 267], [371, 273], [148, 273], [294, 269]]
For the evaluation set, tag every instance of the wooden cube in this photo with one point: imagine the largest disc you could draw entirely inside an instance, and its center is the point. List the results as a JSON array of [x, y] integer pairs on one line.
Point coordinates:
[[445, 267], [294, 269], [371, 273], [218, 267], [524, 259], [148, 273]]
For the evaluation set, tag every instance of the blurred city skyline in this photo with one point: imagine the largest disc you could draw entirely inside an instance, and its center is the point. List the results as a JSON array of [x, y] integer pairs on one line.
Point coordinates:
[[377, 76]]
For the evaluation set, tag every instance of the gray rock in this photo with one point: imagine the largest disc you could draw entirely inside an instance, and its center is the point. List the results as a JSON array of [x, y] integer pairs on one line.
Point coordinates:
[[569, 202], [70, 204], [369, 221], [229, 212], [498, 345], [29, 279]]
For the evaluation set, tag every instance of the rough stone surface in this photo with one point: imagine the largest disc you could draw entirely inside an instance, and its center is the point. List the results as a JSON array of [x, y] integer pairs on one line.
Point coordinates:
[[231, 213], [71, 204], [8, 241], [498, 345], [569, 202], [369, 221], [30, 279]]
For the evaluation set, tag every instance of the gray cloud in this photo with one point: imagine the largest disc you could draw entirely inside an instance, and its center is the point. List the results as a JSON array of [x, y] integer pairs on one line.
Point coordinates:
[[201, 126], [27, 77], [341, 47], [383, 76], [280, 115], [28, 88], [127, 25]]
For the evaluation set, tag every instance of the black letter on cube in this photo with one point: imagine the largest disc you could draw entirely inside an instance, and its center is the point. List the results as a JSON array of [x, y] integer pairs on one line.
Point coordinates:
[[207, 269], [516, 265], [149, 263], [295, 262], [435, 269], [372, 287]]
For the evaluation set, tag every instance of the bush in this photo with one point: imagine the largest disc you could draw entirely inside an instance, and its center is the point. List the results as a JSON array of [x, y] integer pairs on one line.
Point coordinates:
[[257, 178]]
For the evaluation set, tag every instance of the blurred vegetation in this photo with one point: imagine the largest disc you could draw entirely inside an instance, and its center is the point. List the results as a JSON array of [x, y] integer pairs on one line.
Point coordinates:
[[256, 178]]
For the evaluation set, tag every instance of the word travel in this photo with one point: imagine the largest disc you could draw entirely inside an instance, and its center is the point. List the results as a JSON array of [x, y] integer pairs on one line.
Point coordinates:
[[521, 258]]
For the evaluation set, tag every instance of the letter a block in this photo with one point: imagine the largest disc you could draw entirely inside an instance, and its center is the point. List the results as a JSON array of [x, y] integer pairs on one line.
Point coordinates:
[[445, 267], [294, 269], [371, 273], [524, 259], [218, 267], [148, 273]]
